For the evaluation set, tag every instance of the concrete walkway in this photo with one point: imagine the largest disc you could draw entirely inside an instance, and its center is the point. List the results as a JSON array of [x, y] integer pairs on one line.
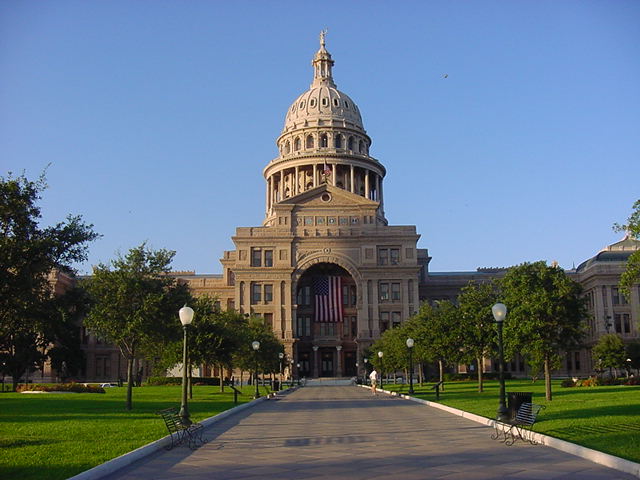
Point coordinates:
[[344, 432]]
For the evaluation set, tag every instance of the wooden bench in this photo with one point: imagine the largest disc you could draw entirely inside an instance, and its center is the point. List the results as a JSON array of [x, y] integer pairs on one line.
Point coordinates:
[[179, 432], [521, 427]]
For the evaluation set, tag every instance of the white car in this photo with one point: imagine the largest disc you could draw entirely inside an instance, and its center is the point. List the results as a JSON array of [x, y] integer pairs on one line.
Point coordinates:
[[107, 385]]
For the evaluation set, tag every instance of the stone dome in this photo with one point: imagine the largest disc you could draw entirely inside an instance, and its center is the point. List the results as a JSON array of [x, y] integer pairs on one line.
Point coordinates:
[[323, 104]]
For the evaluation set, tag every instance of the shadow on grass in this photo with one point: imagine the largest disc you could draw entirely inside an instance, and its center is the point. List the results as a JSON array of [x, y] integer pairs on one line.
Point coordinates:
[[21, 442]]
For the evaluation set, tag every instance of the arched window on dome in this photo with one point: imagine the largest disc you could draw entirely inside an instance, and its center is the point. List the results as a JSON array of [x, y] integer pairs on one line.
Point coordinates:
[[350, 144], [287, 147], [309, 141], [324, 141], [361, 147], [338, 141], [336, 102], [325, 101], [296, 144]]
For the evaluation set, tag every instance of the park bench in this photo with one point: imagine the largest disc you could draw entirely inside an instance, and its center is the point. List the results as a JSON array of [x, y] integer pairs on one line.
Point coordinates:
[[520, 427], [179, 432]]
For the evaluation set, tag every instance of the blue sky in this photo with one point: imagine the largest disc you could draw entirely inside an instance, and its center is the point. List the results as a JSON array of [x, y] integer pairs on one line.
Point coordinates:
[[157, 117]]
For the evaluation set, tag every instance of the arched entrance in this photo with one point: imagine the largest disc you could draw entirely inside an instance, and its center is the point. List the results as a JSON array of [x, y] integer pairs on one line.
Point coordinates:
[[326, 322]]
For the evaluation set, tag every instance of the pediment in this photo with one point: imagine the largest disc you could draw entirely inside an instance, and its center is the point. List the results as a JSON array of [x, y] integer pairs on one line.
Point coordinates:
[[317, 197]]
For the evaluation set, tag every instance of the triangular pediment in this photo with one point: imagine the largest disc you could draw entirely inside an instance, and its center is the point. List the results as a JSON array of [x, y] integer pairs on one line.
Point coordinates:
[[328, 196]]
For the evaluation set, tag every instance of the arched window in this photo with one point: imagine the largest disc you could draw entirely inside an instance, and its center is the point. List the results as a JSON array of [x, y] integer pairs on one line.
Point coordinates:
[[350, 144], [324, 141], [361, 147], [325, 101], [287, 147], [338, 141], [296, 144], [309, 141]]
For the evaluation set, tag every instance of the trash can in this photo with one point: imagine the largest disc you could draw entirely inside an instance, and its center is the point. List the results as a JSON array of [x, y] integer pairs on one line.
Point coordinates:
[[515, 399]]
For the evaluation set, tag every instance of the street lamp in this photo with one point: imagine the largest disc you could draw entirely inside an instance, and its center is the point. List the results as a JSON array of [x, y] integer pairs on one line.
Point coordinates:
[[256, 346], [186, 317], [298, 371], [364, 377], [380, 354], [410, 348], [281, 356], [499, 311]]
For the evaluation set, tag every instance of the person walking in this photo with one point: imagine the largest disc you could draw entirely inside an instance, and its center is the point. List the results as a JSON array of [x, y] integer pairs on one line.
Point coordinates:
[[373, 376]]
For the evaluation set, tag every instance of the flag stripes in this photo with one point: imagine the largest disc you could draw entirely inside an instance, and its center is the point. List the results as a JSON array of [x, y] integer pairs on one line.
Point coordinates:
[[328, 298]]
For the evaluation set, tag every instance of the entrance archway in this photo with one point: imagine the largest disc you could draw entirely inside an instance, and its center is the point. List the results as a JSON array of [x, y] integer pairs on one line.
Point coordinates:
[[326, 320]]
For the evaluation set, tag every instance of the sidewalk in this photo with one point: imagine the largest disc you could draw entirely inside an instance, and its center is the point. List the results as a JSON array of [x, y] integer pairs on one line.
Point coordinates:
[[342, 432]]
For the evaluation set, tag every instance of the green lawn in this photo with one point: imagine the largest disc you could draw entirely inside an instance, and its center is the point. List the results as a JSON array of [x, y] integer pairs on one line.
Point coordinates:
[[602, 418], [55, 436]]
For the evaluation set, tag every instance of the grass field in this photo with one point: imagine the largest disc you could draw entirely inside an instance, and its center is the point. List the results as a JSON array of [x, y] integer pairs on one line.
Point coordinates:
[[603, 418], [55, 436]]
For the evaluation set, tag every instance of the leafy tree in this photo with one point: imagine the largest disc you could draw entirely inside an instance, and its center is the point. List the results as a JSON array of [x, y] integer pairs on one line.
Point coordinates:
[[631, 275], [633, 354], [267, 356], [610, 352], [135, 304], [30, 255], [546, 315], [477, 324], [392, 344]]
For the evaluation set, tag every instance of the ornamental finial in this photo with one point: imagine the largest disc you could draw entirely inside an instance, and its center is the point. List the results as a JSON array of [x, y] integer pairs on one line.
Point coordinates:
[[323, 33]]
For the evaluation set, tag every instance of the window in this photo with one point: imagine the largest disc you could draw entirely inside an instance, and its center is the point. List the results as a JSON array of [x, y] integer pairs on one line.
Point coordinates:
[[384, 321], [304, 295], [287, 147], [353, 296], [231, 278], [324, 141], [103, 367], [296, 144], [268, 320], [303, 326], [395, 292], [327, 329], [395, 319], [388, 255], [261, 257], [256, 293], [349, 144], [309, 141], [345, 295], [384, 292], [615, 294], [338, 141], [268, 293]]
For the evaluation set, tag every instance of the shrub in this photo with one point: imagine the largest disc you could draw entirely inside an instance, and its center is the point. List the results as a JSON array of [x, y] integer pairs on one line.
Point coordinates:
[[61, 387], [568, 382]]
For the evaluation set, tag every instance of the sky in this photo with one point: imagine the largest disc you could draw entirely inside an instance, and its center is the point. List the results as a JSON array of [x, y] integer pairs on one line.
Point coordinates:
[[510, 130]]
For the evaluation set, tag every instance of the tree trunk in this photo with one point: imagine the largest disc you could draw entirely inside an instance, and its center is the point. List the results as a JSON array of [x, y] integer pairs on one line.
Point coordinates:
[[547, 379], [420, 373], [130, 361], [441, 370], [221, 370], [241, 377], [480, 379]]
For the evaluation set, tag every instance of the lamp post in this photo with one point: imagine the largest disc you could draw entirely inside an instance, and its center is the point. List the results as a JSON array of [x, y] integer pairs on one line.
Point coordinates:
[[380, 355], [298, 371], [364, 377], [186, 317], [410, 348], [256, 346], [499, 311], [281, 357]]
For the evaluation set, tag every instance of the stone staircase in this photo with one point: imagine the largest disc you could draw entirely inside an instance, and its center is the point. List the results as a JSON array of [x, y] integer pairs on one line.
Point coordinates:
[[330, 381]]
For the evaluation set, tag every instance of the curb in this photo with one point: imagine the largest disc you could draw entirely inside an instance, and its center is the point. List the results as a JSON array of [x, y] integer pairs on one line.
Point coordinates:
[[611, 461], [111, 466]]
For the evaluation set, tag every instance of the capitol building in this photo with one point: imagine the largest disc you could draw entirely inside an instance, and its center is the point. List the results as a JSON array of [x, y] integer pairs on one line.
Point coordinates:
[[329, 272]]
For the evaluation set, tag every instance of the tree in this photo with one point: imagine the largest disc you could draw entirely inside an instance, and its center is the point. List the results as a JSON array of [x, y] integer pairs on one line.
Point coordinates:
[[610, 352], [477, 324], [267, 356], [30, 256], [631, 275], [546, 315], [135, 304], [633, 354]]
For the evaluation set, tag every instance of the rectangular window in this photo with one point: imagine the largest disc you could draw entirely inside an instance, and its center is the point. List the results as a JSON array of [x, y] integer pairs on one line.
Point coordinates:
[[268, 293], [395, 292], [304, 295], [354, 327], [352, 291], [303, 327], [395, 319], [626, 323], [268, 320], [256, 257], [345, 295], [327, 329], [256, 293], [617, 318], [384, 321], [615, 296], [394, 256], [383, 256], [383, 291], [268, 258]]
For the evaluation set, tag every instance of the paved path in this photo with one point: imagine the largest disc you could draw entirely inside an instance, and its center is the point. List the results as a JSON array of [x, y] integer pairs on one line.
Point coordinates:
[[347, 433]]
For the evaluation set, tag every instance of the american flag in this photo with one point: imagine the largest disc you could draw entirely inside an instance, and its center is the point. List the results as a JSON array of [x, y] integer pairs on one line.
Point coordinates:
[[328, 294], [327, 170]]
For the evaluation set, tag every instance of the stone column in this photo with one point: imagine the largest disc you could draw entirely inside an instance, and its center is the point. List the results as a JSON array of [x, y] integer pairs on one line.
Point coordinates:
[[315, 175], [366, 184], [377, 188], [352, 187], [339, 355], [315, 361], [296, 181], [281, 186], [334, 180]]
